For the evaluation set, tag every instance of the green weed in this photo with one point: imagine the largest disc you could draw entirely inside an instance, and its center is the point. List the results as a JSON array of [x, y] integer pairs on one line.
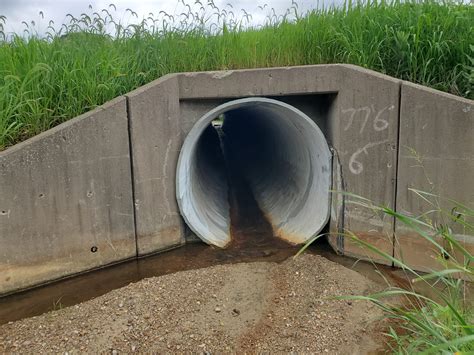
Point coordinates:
[[443, 321]]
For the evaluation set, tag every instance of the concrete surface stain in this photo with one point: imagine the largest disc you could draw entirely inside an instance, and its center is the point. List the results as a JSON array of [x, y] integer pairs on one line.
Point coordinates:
[[250, 229]]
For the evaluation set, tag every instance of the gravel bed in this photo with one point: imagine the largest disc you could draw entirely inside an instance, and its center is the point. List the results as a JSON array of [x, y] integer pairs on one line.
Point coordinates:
[[247, 307]]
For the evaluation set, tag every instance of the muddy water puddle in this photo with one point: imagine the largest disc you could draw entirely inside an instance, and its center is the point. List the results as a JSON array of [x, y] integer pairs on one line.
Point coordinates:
[[77, 289], [84, 287]]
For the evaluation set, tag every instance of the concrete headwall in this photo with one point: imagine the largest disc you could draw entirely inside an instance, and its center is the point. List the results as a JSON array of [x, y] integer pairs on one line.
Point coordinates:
[[101, 188], [362, 126]]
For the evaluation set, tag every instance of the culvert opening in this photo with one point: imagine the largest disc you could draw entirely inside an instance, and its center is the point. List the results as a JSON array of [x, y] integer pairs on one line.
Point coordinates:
[[257, 164]]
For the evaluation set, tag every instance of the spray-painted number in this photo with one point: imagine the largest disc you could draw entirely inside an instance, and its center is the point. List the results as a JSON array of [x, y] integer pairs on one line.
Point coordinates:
[[364, 115], [365, 112], [355, 166]]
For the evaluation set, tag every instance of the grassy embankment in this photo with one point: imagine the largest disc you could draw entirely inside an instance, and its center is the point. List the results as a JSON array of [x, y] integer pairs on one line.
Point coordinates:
[[47, 80], [439, 320]]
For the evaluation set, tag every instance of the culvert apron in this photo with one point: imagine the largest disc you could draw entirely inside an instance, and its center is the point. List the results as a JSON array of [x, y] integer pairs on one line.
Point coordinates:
[[283, 156]]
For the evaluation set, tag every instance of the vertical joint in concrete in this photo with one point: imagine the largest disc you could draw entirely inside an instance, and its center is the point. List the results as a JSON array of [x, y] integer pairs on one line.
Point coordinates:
[[132, 180], [395, 182]]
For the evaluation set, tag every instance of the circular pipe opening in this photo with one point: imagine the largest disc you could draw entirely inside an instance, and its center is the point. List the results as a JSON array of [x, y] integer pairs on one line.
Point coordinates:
[[281, 154]]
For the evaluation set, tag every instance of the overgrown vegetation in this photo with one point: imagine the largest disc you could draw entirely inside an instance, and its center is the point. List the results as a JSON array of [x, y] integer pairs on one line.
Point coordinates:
[[443, 320], [46, 80]]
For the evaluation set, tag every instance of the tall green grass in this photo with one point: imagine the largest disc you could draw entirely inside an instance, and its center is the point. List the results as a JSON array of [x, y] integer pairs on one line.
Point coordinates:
[[46, 80], [442, 320]]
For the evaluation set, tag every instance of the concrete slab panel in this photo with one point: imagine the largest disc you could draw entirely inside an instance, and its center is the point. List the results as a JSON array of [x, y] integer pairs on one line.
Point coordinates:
[[436, 156], [363, 129], [156, 140], [65, 200]]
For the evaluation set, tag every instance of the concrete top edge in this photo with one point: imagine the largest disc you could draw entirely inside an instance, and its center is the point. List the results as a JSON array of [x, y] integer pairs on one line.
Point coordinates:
[[333, 66], [427, 89], [151, 84], [69, 123], [370, 72], [263, 69]]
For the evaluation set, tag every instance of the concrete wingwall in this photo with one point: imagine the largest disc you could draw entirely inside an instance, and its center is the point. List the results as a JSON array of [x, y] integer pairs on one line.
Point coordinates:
[[436, 170], [100, 188], [66, 200]]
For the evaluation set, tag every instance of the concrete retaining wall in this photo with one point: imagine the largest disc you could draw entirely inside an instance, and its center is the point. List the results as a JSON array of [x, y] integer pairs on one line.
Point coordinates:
[[364, 133], [436, 156], [75, 198], [66, 200]]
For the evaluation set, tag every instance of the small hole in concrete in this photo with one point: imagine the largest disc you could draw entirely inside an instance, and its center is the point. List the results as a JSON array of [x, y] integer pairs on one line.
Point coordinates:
[[94, 249], [41, 195], [89, 193]]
